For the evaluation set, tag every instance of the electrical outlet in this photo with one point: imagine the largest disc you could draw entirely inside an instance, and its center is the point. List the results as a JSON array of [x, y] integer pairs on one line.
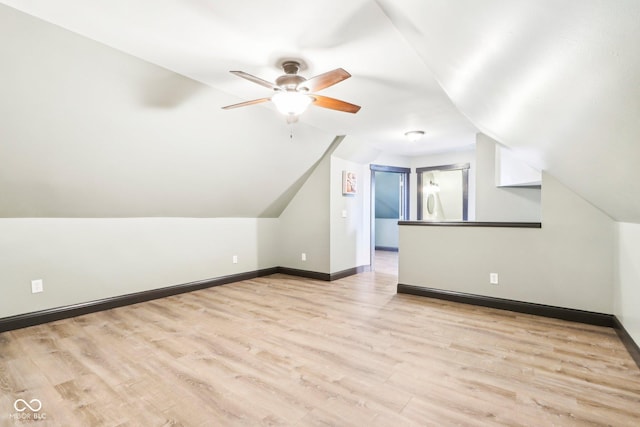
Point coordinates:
[[37, 286], [344, 213], [235, 259], [493, 278], [303, 257]]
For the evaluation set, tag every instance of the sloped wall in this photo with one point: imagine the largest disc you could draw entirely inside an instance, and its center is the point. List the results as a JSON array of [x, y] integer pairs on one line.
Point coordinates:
[[558, 84], [88, 131]]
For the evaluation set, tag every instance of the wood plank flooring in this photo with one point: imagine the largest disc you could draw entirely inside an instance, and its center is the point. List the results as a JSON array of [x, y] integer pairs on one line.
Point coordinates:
[[281, 350], [386, 262]]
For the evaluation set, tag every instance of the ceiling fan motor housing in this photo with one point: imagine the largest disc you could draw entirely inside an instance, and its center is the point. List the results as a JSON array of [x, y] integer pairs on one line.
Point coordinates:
[[290, 80]]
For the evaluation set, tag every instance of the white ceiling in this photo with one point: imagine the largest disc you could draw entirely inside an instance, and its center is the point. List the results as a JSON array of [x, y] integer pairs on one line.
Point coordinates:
[[556, 80], [204, 40]]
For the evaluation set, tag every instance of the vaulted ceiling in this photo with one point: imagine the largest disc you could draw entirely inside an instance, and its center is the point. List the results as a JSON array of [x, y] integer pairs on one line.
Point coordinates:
[[118, 111]]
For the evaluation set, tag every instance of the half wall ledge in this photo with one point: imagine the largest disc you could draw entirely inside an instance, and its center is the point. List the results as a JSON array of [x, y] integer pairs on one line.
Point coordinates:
[[472, 224]]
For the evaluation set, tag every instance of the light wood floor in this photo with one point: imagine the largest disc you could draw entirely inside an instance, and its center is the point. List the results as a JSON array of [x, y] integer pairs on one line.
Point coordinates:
[[386, 262], [288, 351]]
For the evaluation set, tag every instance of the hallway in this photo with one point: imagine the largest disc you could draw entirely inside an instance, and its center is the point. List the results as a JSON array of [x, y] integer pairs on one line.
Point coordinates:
[[386, 262]]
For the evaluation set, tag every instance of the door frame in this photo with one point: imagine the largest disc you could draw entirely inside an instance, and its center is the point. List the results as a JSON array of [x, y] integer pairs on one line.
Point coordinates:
[[464, 167], [406, 193]]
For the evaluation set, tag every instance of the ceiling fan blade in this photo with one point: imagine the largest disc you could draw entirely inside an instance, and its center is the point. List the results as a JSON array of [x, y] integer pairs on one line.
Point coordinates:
[[254, 79], [325, 80], [244, 104], [334, 104]]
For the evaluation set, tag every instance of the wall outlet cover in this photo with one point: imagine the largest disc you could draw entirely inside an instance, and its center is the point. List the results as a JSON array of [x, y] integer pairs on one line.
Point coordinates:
[[493, 278], [37, 286]]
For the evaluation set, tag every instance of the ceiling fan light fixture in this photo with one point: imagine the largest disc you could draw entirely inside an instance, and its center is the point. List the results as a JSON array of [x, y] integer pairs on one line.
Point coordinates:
[[414, 135], [293, 93], [291, 103]]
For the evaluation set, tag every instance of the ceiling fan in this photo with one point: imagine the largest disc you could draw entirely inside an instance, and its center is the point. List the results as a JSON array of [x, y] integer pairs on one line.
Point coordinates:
[[294, 93]]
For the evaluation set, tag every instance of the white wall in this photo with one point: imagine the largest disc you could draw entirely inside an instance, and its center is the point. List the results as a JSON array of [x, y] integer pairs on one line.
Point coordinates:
[[627, 288], [568, 263], [511, 171], [500, 203], [305, 223], [448, 201], [386, 159], [349, 236], [82, 260], [386, 232]]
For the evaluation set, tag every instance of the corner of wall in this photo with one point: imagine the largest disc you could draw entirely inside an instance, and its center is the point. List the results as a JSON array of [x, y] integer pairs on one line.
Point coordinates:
[[304, 224], [627, 278]]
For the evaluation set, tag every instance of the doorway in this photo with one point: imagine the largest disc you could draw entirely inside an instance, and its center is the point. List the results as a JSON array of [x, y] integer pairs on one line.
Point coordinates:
[[443, 193], [389, 204]]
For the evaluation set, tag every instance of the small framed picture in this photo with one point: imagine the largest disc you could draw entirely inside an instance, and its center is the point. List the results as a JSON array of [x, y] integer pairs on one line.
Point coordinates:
[[349, 183]]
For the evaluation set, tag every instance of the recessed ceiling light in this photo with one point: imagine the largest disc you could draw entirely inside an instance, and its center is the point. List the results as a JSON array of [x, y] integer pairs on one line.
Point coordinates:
[[414, 135]]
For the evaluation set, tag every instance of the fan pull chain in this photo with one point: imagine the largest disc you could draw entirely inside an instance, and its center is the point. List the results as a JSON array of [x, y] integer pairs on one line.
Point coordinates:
[[290, 121]]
